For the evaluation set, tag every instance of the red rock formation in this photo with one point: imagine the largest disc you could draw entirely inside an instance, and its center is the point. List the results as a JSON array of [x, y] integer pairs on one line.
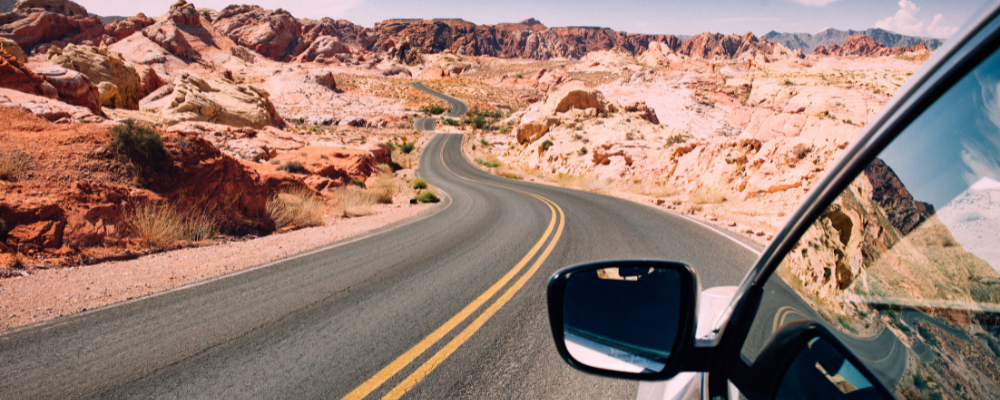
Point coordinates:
[[274, 34], [716, 46], [864, 46], [64, 7], [14, 75], [121, 29], [73, 87]]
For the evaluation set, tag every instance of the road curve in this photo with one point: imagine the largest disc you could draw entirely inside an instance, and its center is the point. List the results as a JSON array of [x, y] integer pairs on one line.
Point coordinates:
[[458, 108], [324, 323]]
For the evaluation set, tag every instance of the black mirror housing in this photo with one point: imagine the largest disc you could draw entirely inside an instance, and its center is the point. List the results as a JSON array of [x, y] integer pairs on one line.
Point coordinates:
[[803, 358], [632, 319]]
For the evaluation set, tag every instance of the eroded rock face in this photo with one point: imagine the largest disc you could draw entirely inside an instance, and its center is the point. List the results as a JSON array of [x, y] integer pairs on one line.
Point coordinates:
[[709, 46], [30, 29], [904, 212], [46, 108], [102, 66], [73, 87], [217, 101], [167, 32], [864, 46], [14, 75], [64, 7], [324, 47], [272, 33], [330, 167], [13, 49], [121, 29]]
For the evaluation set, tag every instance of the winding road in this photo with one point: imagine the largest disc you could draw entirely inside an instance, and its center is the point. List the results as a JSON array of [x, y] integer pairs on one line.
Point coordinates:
[[448, 304]]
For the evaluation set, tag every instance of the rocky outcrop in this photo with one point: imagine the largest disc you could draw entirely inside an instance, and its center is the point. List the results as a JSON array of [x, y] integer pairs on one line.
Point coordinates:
[[864, 46], [13, 49], [123, 28], [102, 66], [46, 108], [272, 33], [218, 101], [904, 212], [34, 27], [73, 87], [167, 32], [322, 49], [64, 7], [14, 75], [569, 101], [716, 46]]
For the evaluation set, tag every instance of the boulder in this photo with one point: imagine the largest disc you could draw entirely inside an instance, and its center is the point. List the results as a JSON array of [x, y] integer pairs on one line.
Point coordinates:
[[431, 72], [324, 47], [103, 66], [73, 87], [64, 7], [644, 111], [15, 75], [574, 95], [531, 131], [271, 33], [13, 49], [123, 28], [218, 101], [336, 164], [46, 108]]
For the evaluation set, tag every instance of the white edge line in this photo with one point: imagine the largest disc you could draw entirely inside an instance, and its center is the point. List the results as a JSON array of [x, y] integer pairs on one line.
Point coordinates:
[[71, 317]]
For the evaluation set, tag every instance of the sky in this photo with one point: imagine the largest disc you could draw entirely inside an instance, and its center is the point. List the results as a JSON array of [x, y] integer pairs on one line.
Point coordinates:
[[929, 18]]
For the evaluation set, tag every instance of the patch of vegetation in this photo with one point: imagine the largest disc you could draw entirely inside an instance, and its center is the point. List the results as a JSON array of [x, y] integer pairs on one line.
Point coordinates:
[[139, 146], [419, 184], [354, 201], [385, 186], [511, 175], [451, 122], [434, 109], [428, 197], [583, 151], [484, 142], [299, 209], [391, 146], [675, 139], [488, 164], [701, 196], [13, 164], [406, 148], [358, 182], [161, 225], [546, 145], [292, 166]]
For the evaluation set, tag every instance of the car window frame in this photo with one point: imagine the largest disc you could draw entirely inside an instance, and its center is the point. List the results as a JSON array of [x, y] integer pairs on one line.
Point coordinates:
[[975, 41]]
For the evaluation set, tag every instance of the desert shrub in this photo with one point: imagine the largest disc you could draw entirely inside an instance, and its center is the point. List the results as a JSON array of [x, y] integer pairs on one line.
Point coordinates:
[[428, 197], [546, 145], [511, 175], [385, 187], [296, 209], [13, 164], [161, 225], [801, 150], [583, 151], [358, 182], [292, 166], [701, 196], [406, 148], [919, 382], [354, 201], [391, 146], [433, 109], [484, 142], [452, 122], [675, 139], [419, 184], [488, 164], [140, 146], [477, 122]]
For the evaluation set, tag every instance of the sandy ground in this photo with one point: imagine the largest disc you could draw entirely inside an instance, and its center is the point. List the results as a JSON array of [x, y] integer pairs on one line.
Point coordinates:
[[48, 294]]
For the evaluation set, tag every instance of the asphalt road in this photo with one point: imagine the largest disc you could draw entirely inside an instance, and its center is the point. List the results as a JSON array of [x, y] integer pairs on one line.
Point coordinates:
[[446, 305], [458, 108]]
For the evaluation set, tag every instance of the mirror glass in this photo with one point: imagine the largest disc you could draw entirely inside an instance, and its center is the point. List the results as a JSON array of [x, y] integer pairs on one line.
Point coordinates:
[[820, 371], [622, 319]]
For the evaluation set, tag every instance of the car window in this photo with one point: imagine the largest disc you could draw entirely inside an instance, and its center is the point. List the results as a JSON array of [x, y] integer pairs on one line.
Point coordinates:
[[904, 264]]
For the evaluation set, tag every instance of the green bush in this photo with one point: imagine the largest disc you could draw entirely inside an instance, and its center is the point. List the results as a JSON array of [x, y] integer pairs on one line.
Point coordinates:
[[428, 197], [433, 109], [484, 142], [452, 122], [358, 182], [406, 148], [511, 175], [419, 184], [391, 146], [140, 146], [546, 144], [293, 166]]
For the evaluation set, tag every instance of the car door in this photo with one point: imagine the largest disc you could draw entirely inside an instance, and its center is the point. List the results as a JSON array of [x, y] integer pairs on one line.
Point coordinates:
[[897, 252]]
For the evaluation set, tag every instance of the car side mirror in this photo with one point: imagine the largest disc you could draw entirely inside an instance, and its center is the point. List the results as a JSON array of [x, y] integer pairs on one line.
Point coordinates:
[[627, 319], [806, 360]]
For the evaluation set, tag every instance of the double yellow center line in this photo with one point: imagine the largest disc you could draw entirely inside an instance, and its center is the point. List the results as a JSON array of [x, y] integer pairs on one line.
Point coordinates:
[[376, 381]]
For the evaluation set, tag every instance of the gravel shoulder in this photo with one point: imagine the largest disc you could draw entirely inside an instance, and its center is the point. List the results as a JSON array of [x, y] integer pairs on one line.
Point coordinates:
[[49, 294]]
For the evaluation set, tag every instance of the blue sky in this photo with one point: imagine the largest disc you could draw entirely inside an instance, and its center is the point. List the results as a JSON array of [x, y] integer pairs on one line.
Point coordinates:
[[935, 18]]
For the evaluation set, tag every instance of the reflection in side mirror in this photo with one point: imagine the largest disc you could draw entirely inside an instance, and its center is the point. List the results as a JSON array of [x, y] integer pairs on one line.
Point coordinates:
[[806, 360], [626, 318]]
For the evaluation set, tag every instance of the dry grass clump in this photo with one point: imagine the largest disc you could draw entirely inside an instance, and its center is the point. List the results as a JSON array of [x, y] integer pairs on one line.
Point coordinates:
[[651, 189], [385, 186], [295, 209], [162, 225], [707, 196], [354, 200], [13, 164]]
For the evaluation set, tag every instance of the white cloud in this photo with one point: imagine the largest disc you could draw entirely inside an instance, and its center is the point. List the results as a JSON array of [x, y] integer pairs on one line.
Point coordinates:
[[813, 3], [906, 22]]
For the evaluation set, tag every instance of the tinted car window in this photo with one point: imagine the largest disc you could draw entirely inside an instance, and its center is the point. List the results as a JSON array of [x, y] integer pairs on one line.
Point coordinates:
[[904, 264]]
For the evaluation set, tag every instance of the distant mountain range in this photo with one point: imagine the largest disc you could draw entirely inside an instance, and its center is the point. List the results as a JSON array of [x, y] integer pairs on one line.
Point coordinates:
[[807, 42]]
